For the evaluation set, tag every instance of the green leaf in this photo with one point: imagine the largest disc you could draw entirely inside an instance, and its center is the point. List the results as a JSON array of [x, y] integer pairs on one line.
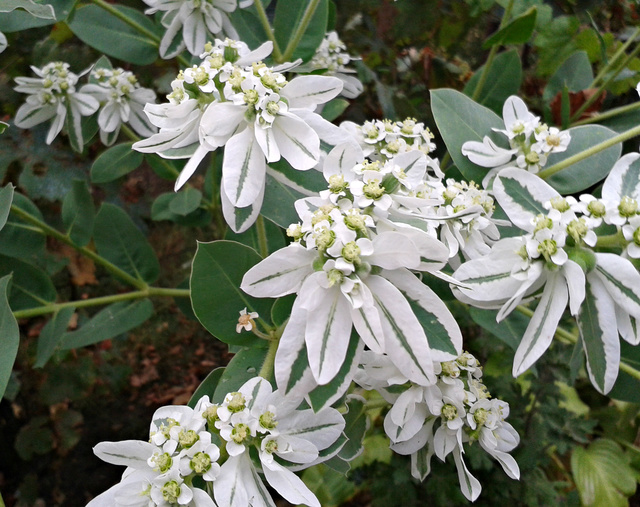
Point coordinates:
[[332, 488], [6, 198], [575, 73], [19, 19], [207, 387], [10, 336], [108, 323], [555, 42], [287, 20], [325, 395], [30, 287], [334, 108], [39, 11], [216, 275], [103, 31], [627, 388], [186, 201], [518, 31], [356, 425], [161, 210], [275, 237], [78, 213], [503, 80], [51, 335], [20, 239], [602, 474], [248, 26], [281, 193], [115, 163], [588, 172], [509, 330], [119, 241], [244, 365], [459, 119], [34, 438]]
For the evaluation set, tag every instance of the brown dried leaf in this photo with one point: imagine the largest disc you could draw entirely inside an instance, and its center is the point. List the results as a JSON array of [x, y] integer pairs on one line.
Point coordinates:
[[576, 100]]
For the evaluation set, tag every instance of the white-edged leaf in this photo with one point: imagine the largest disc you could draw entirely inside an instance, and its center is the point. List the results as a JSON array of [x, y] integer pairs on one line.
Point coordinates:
[[621, 279], [599, 335], [130, 453], [405, 341], [243, 169], [309, 91], [522, 194], [624, 179], [289, 485], [279, 274], [326, 334], [442, 330], [540, 331]]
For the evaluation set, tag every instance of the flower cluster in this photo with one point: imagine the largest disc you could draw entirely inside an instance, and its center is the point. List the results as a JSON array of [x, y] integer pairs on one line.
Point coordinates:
[[212, 442], [530, 141], [190, 23], [384, 139], [440, 418], [232, 99], [53, 96], [331, 59], [352, 265], [122, 100], [556, 255]]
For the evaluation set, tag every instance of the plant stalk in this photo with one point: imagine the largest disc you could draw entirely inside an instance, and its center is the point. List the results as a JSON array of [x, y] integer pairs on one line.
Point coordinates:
[[103, 300], [50, 231], [492, 53], [135, 25], [578, 157], [300, 29], [266, 372], [264, 20]]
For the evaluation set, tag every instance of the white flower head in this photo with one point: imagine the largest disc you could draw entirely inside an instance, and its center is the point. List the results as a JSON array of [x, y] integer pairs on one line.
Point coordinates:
[[246, 321]]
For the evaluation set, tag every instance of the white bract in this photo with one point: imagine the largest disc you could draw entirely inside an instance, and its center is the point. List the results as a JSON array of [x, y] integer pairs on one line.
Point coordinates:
[[351, 266], [53, 96], [191, 23], [441, 418], [233, 100], [332, 58], [529, 141], [556, 256], [160, 472], [122, 100]]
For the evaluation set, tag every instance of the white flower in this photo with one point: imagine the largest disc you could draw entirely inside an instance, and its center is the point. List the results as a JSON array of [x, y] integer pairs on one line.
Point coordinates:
[[266, 419], [246, 321], [331, 56], [191, 23], [122, 100], [53, 96]]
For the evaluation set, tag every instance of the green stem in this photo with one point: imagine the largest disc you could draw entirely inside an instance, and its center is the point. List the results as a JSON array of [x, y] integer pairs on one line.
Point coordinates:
[[135, 25], [104, 300], [262, 237], [300, 29], [612, 241], [266, 372], [621, 50], [604, 85], [578, 157], [50, 231], [608, 114], [570, 338], [264, 20], [492, 53]]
